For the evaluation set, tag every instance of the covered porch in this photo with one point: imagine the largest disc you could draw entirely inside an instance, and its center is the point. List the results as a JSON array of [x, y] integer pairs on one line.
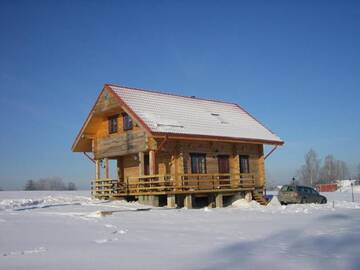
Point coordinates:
[[172, 184]]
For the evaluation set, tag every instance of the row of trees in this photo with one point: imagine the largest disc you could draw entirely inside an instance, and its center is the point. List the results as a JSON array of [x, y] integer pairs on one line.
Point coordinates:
[[51, 183], [314, 171]]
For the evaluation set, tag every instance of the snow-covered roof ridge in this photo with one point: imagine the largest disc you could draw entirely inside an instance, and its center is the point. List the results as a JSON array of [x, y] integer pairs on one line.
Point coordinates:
[[167, 113]]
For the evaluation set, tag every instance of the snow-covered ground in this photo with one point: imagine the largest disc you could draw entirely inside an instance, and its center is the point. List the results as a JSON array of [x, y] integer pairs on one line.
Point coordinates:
[[67, 230]]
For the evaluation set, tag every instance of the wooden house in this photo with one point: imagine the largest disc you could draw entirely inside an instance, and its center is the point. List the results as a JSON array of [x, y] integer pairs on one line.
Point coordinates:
[[173, 150]]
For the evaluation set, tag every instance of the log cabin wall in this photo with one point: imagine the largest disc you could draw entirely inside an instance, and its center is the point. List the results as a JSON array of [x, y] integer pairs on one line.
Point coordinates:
[[131, 167], [122, 142], [176, 155]]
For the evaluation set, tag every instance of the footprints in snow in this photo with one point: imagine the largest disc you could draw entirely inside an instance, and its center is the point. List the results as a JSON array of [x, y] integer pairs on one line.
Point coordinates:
[[38, 250], [114, 232]]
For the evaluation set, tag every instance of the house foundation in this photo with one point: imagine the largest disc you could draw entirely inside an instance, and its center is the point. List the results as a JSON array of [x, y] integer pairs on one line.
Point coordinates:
[[188, 201], [171, 201], [151, 200], [219, 201]]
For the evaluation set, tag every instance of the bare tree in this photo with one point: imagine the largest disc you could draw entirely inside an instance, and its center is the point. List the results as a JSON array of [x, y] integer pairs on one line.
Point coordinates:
[[30, 185], [333, 170], [342, 170], [49, 183], [71, 186], [309, 172]]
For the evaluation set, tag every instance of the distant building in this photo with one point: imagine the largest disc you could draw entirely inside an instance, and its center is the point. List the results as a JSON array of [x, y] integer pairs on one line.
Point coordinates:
[[327, 187]]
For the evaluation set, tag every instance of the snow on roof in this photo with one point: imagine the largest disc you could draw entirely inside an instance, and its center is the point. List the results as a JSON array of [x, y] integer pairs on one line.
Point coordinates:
[[173, 114]]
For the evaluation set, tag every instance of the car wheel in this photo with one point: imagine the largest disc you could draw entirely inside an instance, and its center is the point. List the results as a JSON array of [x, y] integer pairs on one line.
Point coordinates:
[[302, 201], [323, 201]]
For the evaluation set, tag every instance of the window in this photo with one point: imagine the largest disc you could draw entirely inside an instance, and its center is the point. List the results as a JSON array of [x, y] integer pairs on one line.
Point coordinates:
[[244, 164], [198, 163], [113, 124], [288, 188], [291, 189], [127, 122]]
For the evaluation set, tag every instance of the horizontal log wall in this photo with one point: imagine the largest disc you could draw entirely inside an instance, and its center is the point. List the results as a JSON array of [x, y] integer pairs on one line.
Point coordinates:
[[131, 167], [131, 142]]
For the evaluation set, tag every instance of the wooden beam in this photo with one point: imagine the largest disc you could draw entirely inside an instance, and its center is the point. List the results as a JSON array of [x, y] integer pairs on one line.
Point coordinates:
[[106, 164], [141, 164], [272, 150], [97, 169], [152, 162]]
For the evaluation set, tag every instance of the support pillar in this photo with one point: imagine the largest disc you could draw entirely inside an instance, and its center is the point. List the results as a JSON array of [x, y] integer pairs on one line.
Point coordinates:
[[97, 169], [120, 169], [188, 201], [106, 164], [219, 200], [141, 164], [97, 177], [171, 201], [152, 168]]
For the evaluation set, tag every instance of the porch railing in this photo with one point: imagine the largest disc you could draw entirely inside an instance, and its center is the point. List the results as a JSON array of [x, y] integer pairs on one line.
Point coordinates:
[[181, 183]]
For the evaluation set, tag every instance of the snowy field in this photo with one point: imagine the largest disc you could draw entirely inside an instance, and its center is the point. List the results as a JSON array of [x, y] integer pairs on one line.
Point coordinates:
[[65, 230]]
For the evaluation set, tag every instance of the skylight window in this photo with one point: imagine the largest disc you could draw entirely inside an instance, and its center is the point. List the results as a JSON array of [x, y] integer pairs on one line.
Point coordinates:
[[219, 118], [169, 125]]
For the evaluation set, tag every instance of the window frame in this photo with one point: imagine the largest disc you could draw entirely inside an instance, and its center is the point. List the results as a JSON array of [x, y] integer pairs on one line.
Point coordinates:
[[113, 124], [195, 161], [247, 159], [128, 123]]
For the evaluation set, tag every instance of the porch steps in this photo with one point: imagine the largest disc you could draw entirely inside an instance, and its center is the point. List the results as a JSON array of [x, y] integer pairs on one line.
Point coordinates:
[[258, 196]]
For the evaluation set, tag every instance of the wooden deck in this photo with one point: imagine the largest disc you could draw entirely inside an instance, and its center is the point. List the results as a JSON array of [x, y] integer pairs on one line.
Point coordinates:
[[171, 184]]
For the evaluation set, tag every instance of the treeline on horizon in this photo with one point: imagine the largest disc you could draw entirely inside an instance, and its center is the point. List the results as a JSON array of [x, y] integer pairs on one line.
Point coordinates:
[[317, 171], [51, 183]]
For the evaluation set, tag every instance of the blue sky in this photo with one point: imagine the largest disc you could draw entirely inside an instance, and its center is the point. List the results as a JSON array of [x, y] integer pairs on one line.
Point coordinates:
[[295, 65]]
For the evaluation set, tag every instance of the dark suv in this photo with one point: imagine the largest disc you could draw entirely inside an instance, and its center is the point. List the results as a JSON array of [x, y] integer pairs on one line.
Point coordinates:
[[299, 194]]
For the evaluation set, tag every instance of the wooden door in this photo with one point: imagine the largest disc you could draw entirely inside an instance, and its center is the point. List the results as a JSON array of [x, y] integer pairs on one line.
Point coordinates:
[[224, 167], [223, 164]]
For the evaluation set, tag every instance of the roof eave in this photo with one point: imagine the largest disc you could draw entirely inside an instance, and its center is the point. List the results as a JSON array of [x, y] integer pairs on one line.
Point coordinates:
[[170, 135]]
